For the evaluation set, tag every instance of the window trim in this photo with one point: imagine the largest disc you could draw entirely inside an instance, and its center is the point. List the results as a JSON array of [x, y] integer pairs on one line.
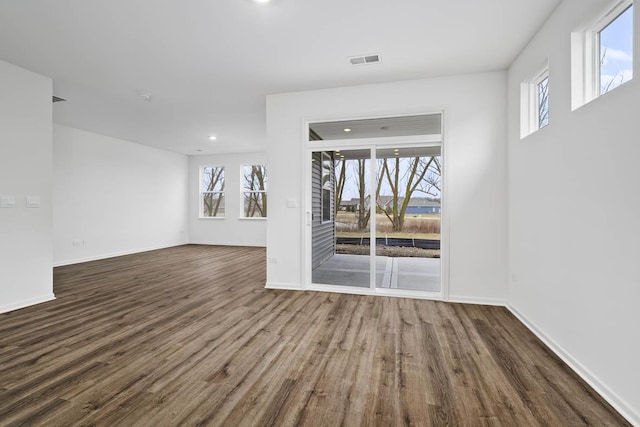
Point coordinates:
[[244, 190], [202, 192], [585, 55]]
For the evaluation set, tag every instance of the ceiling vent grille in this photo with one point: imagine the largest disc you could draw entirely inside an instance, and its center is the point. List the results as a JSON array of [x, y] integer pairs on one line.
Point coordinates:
[[372, 58], [57, 99]]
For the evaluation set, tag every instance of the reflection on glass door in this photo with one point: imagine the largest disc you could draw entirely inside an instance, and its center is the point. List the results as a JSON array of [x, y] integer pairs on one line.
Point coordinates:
[[340, 218], [407, 218]]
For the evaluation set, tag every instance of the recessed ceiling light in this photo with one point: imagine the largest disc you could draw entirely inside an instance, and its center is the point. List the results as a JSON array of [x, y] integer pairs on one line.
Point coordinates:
[[261, 1], [347, 130], [212, 137]]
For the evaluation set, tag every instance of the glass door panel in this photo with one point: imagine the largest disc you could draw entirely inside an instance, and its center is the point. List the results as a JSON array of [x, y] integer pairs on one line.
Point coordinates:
[[340, 217], [407, 215]]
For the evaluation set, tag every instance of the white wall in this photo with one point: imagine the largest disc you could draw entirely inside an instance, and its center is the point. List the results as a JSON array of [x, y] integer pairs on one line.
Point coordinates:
[[475, 149], [25, 169], [231, 230], [114, 197], [574, 224]]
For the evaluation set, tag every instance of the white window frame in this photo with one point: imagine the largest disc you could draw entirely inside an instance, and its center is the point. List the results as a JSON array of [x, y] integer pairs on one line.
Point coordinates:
[[244, 190], [530, 102], [202, 192], [585, 55]]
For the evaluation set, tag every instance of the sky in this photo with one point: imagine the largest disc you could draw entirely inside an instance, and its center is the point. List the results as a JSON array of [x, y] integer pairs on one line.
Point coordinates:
[[351, 185], [616, 43]]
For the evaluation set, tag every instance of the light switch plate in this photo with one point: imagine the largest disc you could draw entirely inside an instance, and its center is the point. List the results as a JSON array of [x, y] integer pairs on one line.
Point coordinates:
[[33, 201], [7, 201], [292, 203]]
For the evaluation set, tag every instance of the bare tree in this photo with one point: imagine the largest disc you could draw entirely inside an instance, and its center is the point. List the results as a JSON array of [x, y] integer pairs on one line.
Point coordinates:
[[255, 194], [611, 84], [410, 178], [213, 189], [340, 168], [363, 213], [431, 184], [543, 102]]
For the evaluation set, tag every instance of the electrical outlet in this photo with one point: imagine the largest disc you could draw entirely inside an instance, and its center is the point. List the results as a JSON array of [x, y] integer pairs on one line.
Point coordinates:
[[272, 260], [76, 243], [33, 201], [7, 201]]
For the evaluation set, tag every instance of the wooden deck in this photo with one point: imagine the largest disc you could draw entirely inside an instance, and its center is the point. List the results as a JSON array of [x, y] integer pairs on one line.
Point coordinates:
[[189, 336]]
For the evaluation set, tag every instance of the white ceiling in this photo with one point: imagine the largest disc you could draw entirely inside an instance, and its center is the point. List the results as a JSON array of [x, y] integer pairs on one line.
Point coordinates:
[[209, 64]]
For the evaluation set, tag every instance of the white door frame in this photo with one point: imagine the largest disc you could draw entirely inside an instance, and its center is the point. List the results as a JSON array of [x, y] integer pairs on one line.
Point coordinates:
[[372, 144]]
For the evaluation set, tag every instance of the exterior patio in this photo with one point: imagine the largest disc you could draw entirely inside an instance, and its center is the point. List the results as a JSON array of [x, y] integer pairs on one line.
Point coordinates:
[[421, 274]]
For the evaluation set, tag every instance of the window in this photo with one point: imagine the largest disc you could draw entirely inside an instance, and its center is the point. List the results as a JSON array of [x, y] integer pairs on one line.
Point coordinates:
[[534, 102], [602, 54], [542, 101], [254, 191], [212, 192], [327, 187], [615, 44]]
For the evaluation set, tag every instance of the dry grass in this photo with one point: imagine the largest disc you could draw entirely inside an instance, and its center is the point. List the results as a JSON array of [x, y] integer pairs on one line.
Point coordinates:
[[423, 226]]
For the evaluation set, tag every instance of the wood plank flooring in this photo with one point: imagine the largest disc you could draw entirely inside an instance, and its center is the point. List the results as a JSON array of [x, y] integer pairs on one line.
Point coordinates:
[[189, 336]]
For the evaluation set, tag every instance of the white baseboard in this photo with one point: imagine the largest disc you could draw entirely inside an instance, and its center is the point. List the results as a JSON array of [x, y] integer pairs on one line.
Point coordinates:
[[399, 294], [476, 300], [382, 292], [285, 286], [337, 289], [209, 243], [26, 303], [113, 254], [600, 387]]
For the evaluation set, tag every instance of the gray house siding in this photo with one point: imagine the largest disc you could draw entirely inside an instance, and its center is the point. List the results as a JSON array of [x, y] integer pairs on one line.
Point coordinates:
[[322, 234]]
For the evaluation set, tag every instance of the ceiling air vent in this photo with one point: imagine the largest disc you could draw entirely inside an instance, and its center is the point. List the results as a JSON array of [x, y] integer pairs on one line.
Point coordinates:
[[57, 99], [372, 58]]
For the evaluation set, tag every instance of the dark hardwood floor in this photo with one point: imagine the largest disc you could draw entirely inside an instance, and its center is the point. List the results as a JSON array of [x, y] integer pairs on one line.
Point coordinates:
[[189, 336]]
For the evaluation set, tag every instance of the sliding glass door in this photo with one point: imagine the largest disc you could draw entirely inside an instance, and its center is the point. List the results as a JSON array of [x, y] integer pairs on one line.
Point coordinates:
[[374, 206]]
